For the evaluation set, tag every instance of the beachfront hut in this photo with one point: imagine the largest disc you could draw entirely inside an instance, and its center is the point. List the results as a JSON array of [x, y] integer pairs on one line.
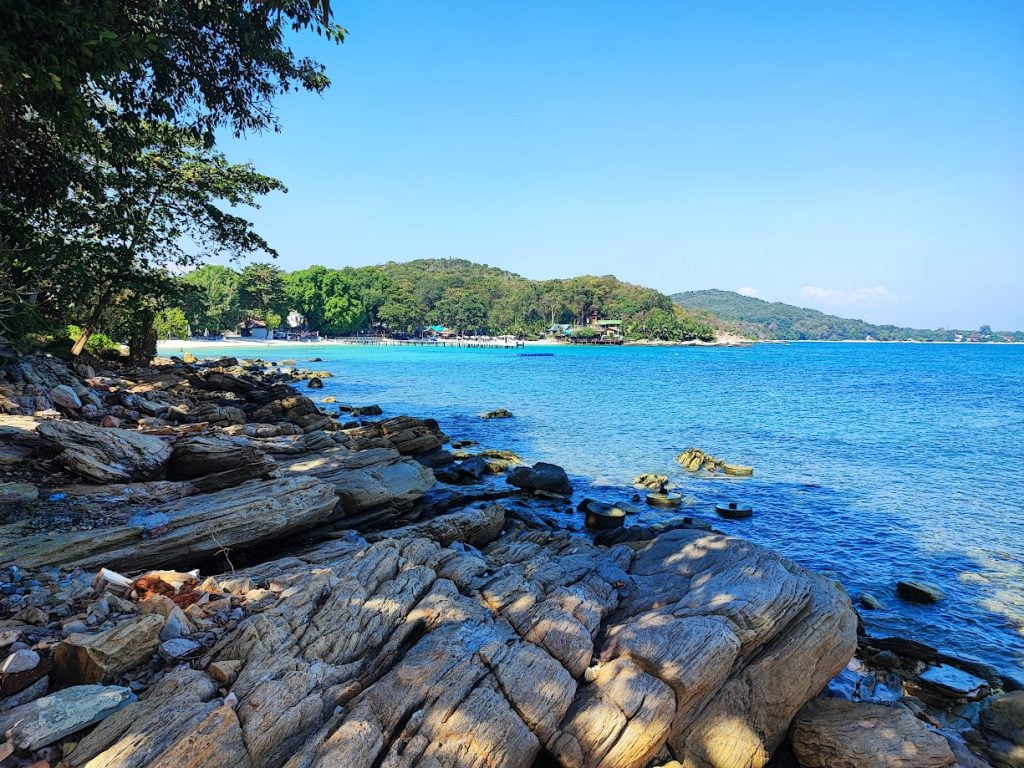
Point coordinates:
[[559, 329]]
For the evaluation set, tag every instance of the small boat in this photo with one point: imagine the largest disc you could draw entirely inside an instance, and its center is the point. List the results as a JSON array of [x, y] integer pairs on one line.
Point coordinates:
[[602, 516], [664, 499], [733, 511]]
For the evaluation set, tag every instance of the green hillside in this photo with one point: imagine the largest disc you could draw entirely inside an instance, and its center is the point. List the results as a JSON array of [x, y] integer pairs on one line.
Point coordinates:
[[403, 297], [775, 320]]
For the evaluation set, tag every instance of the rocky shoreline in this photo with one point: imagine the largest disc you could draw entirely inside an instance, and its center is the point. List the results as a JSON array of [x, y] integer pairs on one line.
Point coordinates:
[[201, 566]]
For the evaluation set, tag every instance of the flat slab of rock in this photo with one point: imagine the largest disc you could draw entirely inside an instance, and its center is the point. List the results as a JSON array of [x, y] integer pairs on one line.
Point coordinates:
[[197, 528], [404, 652], [834, 733], [105, 455], [50, 718]]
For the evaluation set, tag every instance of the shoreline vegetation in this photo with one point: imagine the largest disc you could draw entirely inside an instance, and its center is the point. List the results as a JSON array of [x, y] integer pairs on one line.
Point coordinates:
[[134, 586]]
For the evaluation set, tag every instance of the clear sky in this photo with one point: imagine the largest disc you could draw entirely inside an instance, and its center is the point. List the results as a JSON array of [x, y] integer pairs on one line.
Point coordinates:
[[863, 158]]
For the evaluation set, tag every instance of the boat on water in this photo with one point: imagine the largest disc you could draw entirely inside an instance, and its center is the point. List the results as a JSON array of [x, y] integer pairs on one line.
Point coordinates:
[[733, 511]]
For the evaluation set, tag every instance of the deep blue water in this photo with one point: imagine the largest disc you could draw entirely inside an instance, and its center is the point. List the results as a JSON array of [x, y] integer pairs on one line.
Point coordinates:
[[873, 462]]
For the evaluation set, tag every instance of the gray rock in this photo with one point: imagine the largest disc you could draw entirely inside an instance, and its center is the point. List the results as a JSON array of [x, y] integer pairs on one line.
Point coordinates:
[[65, 397], [919, 592], [178, 648], [19, 661], [50, 718], [17, 493], [869, 602], [952, 682], [541, 477]]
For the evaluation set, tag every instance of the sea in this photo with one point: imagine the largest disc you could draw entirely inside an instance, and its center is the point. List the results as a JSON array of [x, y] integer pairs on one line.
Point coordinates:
[[872, 462]]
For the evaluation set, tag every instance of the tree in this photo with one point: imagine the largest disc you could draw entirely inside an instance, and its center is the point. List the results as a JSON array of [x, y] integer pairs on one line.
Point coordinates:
[[261, 294], [164, 209], [326, 298], [212, 298], [171, 324], [460, 309]]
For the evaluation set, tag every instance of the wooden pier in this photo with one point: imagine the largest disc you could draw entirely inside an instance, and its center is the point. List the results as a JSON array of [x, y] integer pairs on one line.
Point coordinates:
[[380, 341]]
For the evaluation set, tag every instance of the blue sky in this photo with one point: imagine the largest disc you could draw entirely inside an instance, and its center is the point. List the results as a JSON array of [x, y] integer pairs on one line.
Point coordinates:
[[862, 158]]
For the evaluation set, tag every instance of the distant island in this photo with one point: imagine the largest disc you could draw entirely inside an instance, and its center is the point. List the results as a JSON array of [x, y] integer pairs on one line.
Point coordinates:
[[774, 320]]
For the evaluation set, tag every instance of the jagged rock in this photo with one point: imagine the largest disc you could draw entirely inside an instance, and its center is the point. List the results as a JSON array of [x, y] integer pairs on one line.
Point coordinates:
[[651, 481], [217, 461], [50, 718], [297, 409], [834, 733], [96, 658], [476, 526], [1002, 725], [466, 472], [376, 483], [198, 528], [407, 653], [105, 455], [499, 413], [541, 477], [694, 459], [65, 397], [406, 434], [918, 591], [211, 413]]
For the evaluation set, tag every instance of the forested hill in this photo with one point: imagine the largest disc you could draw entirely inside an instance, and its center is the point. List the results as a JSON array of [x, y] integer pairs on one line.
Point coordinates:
[[402, 297], [775, 320]]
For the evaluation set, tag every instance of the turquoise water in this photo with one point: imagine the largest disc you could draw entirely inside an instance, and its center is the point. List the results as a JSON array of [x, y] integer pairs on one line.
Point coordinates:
[[873, 462]]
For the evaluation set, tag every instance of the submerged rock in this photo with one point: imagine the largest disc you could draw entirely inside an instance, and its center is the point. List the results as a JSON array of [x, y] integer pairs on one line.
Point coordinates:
[[919, 592], [499, 413]]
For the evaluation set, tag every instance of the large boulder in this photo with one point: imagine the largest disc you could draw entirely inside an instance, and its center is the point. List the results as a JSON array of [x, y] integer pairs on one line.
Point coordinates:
[[105, 455], [48, 719], [834, 733], [405, 652], [550, 478]]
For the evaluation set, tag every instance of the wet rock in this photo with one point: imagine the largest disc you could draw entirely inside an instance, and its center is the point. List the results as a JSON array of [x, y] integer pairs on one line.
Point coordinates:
[[541, 477], [367, 410], [1002, 725], [869, 602], [500, 413], [919, 592], [694, 460], [95, 658], [834, 733], [50, 718], [315, 382], [466, 472], [952, 683], [105, 455], [651, 482]]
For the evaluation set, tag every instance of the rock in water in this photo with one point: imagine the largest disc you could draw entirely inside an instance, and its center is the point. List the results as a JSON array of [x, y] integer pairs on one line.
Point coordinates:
[[919, 592], [105, 455], [500, 413], [46, 720], [315, 383], [541, 477], [834, 733]]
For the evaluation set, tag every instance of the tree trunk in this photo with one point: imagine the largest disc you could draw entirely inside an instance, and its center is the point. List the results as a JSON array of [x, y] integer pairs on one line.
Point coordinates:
[[92, 324], [142, 342]]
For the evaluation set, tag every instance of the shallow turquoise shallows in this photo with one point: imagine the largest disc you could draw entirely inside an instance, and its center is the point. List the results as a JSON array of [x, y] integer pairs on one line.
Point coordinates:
[[872, 462]]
